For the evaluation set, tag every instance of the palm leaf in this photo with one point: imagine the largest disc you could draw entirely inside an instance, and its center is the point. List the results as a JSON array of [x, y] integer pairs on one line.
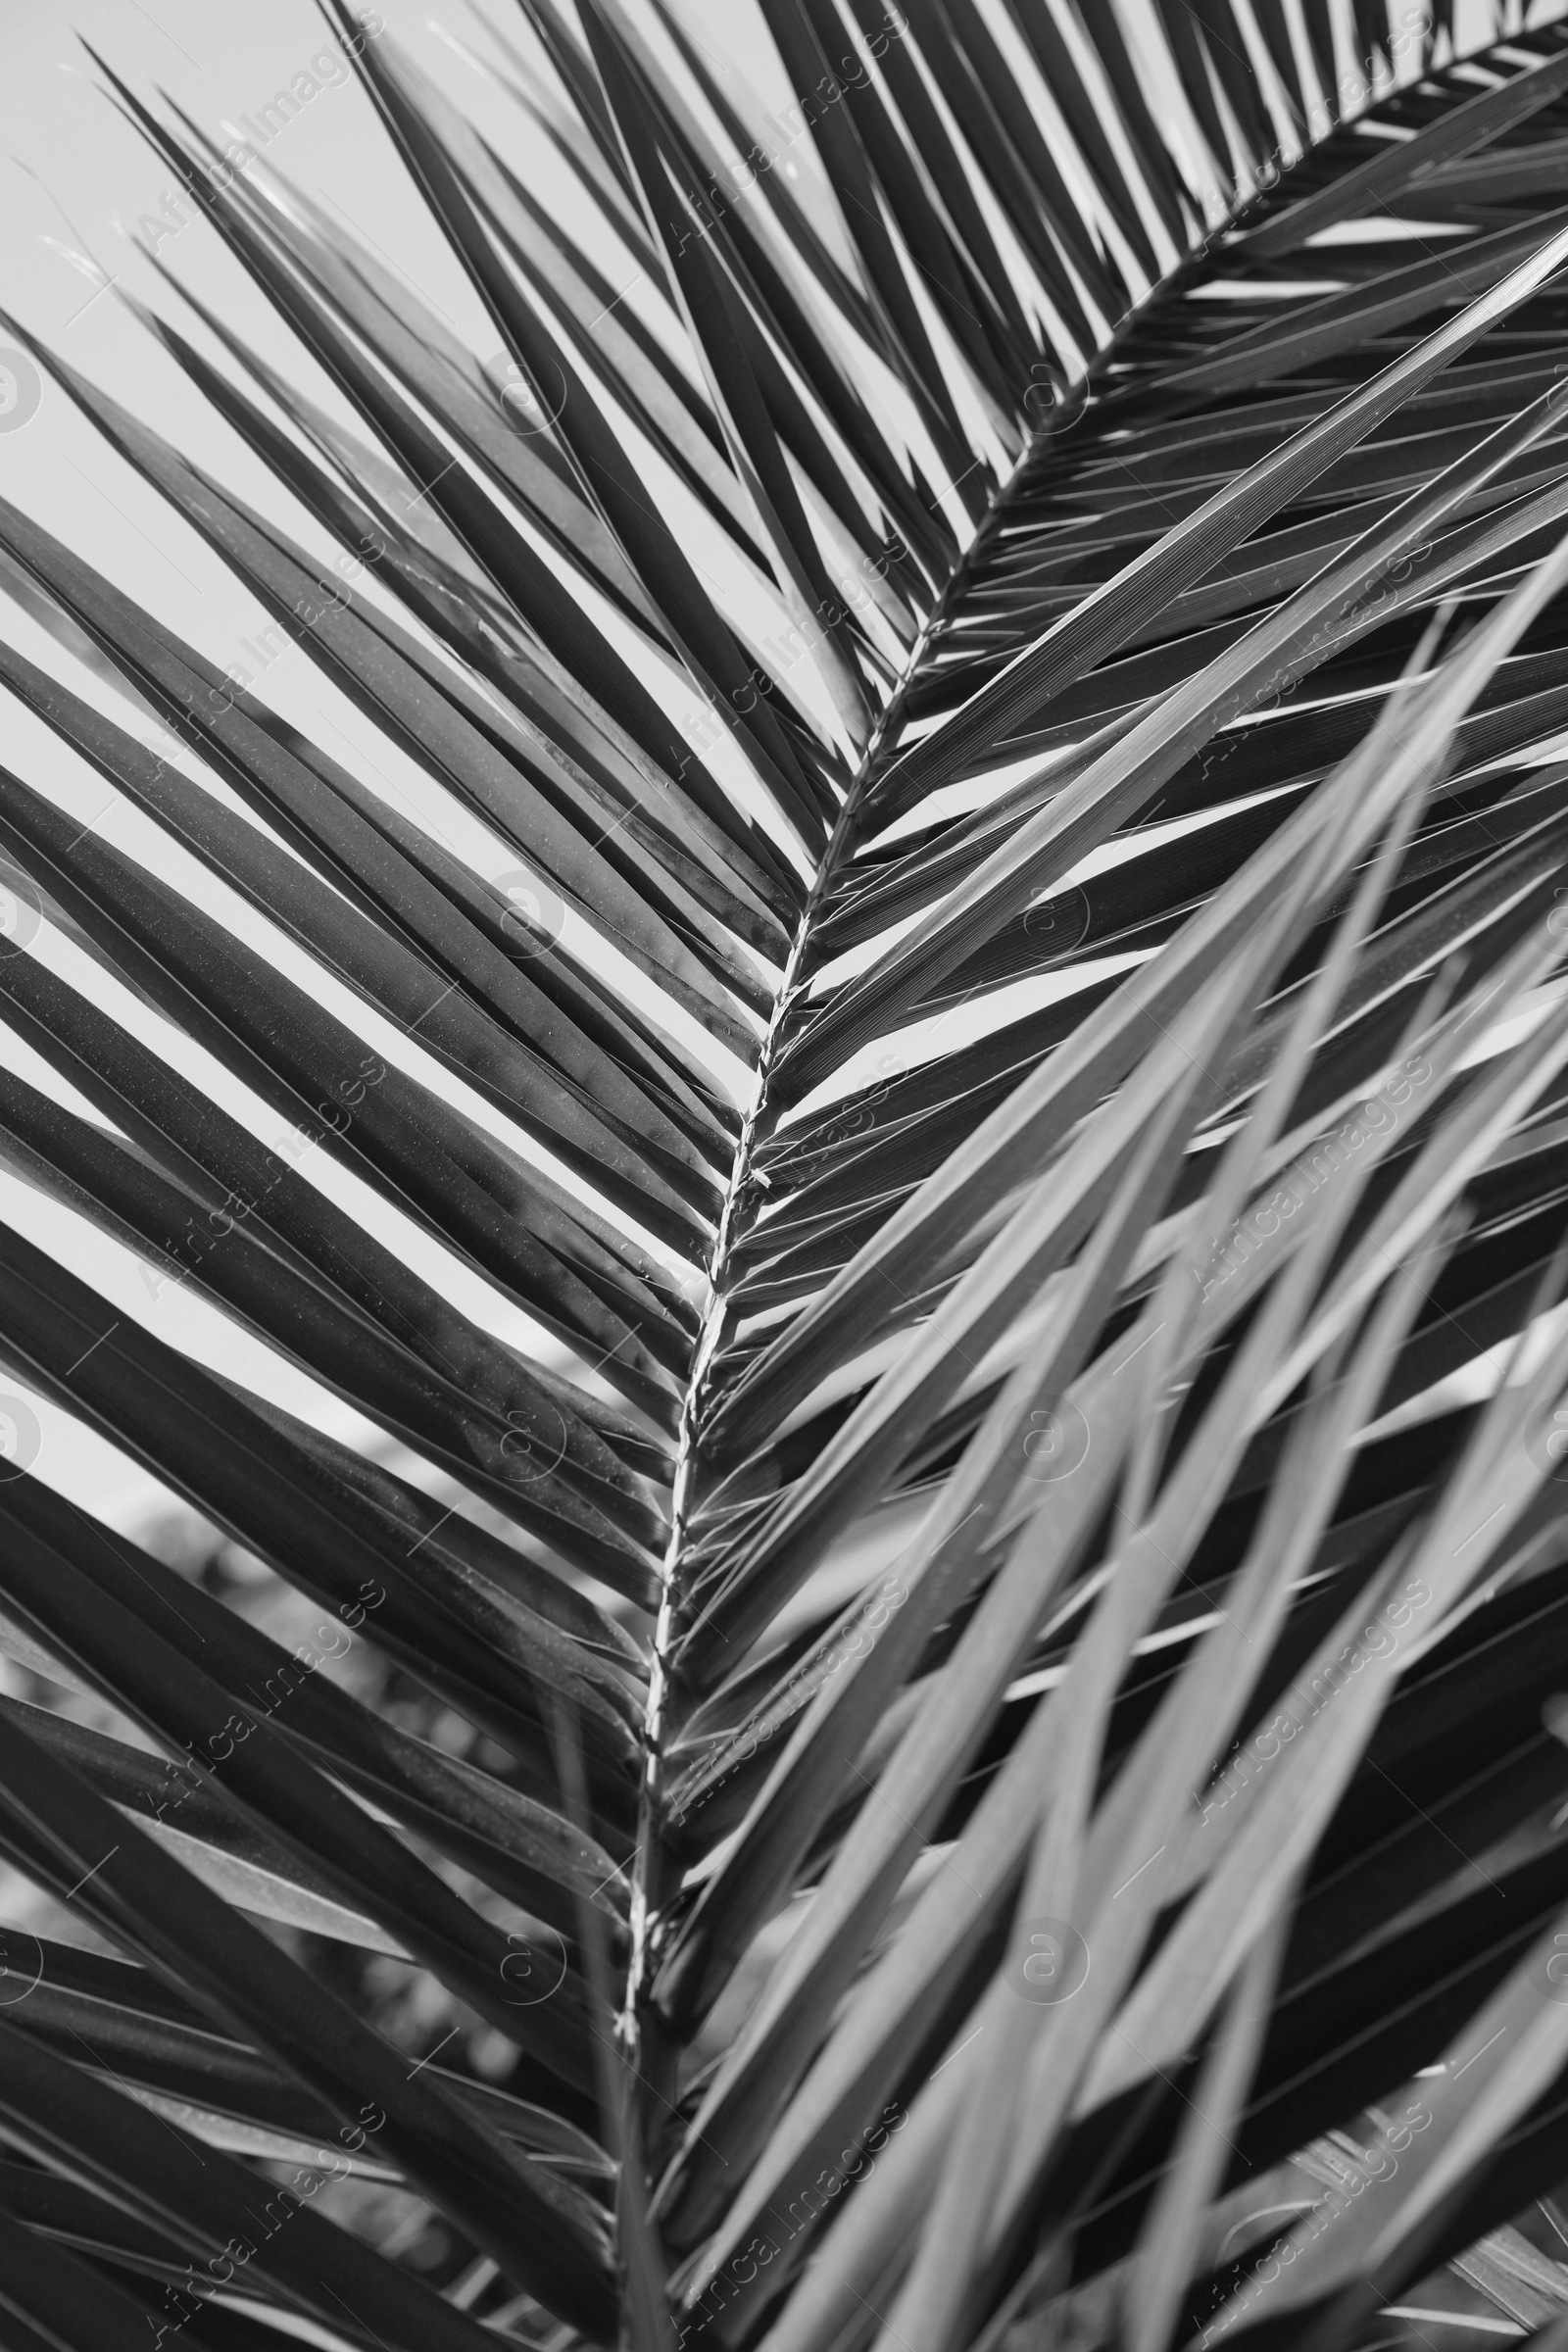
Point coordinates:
[[861, 1176]]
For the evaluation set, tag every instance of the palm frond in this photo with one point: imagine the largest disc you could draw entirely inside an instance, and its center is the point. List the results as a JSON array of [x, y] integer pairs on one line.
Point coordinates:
[[856, 1179]]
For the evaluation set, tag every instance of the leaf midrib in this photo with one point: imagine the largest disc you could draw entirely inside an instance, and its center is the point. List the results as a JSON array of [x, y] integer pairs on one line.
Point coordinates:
[[650, 1872]]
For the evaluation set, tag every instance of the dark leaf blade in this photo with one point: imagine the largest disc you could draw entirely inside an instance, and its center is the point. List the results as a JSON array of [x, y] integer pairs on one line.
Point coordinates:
[[1293, 638], [304, 1502], [149, 1902], [260, 1776], [57, 2299], [733, 352], [515, 1455], [349, 832], [211, 2206], [233, 1178], [119, 2019], [507, 1840], [651, 547], [502, 552], [1249, 676], [816, 91], [587, 767], [1098, 625], [1340, 321], [196, 971], [1398, 171], [375, 671]]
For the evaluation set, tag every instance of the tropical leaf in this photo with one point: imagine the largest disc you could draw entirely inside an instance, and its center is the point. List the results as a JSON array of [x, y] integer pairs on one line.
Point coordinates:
[[841, 1218]]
